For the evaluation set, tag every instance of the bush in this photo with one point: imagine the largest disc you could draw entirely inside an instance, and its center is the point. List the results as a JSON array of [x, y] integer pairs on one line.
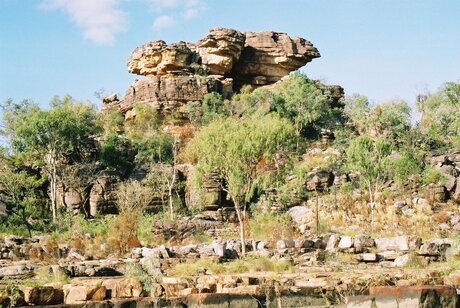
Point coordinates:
[[271, 226], [123, 233], [432, 176], [132, 196], [405, 166]]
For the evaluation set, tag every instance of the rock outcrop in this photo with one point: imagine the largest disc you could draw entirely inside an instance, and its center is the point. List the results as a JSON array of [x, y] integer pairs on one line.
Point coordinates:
[[269, 56], [222, 61]]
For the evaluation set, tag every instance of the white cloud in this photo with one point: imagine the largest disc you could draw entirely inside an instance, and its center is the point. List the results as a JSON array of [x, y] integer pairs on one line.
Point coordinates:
[[162, 22], [188, 9], [164, 4], [191, 13], [100, 20]]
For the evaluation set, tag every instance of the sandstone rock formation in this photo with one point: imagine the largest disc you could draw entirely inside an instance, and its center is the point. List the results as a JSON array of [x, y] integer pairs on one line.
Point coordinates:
[[268, 56], [222, 61], [220, 50]]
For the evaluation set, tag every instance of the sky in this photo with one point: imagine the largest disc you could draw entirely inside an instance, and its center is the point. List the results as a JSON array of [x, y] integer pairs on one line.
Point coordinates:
[[384, 49]]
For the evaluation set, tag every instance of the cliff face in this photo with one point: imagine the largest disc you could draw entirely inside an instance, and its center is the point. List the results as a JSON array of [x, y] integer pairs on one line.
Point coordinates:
[[222, 61]]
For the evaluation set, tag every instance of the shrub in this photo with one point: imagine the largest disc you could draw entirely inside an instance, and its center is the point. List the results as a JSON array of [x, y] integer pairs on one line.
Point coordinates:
[[432, 176], [271, 226], [132, 196], [123, 233]]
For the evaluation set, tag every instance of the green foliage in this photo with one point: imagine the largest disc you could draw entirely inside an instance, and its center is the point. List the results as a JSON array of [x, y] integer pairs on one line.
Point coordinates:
[[20, 192], [64, 129], [249, 102], [15, 295], [301, 101], [370, 158], [441, 114], [271, 226], [146, 122], [156, 148], [241, 151], [146, 278], [213, 107], [111, 122], [432, 176], [405, 166], [389, 120], [114, 152]]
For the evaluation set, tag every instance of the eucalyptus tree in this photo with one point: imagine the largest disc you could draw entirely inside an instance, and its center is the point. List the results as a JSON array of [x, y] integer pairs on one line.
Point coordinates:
[[51, 137], [244, 152]]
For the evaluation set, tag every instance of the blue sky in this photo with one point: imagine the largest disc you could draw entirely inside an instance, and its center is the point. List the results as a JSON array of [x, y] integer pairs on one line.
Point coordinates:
[[384, 49]]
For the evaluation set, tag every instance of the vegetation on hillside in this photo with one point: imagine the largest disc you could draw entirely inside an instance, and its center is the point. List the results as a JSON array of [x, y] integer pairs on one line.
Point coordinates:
[[257, 142]]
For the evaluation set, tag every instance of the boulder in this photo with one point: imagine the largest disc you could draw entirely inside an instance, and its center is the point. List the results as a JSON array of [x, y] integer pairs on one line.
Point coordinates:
[[435, 248], [436, 193], [413, 296], [123, 287], [182, 72], [41, 296], [300, 214], [319, 180], [456, 193], [220, 50], [363, 243], [269, 56], [398, 243], [402, 260], [346, 242], [102, 198], [159, 58], [283, 244], [332, 243], [16, 270], [366, 257]]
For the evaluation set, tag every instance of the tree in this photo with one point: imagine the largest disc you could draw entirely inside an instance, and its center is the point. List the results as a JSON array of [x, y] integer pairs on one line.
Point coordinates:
[[19, 191], [52, 136], [301, 101], [371, 159], [243, 152], [388, 120], [441, 114]]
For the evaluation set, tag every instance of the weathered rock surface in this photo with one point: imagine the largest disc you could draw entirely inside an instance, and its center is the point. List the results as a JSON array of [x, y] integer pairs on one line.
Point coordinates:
[[268, 56], [159, 58], [225, 59], [220, 49], [169, 92]]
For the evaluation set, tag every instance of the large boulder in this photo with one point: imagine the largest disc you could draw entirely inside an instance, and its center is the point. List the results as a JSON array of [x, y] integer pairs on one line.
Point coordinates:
[[269, 56], [159, 58], [398, 243], [42, 295], [220, 49]]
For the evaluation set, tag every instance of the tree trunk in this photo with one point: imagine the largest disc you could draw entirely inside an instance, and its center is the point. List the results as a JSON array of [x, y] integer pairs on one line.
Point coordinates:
[[24, 219], [241, 222], [171, 208], [173, 180], [53, 186], [372, 204]]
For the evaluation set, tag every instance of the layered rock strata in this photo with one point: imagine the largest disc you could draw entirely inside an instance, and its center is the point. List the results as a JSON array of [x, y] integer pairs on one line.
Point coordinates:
[[222, 61]]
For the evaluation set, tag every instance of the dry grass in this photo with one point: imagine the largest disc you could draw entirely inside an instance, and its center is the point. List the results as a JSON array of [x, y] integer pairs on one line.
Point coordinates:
[[256, 263]]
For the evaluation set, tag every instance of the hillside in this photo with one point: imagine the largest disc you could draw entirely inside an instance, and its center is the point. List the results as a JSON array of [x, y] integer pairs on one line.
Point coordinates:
[[223, 177]]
